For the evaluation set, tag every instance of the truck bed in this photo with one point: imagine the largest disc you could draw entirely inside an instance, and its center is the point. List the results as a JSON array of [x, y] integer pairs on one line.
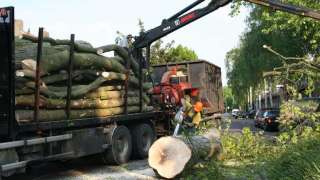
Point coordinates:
[[87, 122]]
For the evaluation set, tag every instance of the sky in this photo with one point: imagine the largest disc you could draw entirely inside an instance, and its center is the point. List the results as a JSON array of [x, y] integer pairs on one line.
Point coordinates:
[[97, 21]]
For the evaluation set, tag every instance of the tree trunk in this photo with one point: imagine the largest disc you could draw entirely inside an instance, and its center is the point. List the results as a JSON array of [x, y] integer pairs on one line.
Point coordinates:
[[103, 95], [122, 53], [59, 61], [25, 116], [28, 101], [82, 90], [25, 49], [80, 46], [170, 155]]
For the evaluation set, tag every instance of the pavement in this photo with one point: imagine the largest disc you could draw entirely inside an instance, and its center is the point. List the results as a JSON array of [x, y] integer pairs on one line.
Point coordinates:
[[91, 168]]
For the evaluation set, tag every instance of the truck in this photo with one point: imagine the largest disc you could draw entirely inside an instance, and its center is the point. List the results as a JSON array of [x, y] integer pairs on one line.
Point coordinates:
[[114, 137], [201, 74]]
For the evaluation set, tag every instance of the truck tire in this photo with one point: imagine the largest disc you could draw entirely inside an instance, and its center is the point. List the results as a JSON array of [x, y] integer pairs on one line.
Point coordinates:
[[121, 146], [143, 135]]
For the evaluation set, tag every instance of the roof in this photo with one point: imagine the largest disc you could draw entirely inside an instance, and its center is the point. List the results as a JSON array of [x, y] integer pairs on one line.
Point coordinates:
[[188, 62]]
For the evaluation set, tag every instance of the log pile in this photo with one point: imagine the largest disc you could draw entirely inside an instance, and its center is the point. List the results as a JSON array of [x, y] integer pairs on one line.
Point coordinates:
[[98, 82]]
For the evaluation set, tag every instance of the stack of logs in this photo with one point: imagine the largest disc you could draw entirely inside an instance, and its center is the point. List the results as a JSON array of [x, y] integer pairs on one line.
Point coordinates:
[[98, 82]]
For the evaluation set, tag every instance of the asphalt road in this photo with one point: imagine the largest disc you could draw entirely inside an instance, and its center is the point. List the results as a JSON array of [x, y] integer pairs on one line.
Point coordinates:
[[238, 124], [91, 168]]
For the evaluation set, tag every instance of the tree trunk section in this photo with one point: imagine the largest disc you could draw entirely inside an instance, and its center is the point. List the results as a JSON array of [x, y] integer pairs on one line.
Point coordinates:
[[170, 155], [25, 116], [28, 101]]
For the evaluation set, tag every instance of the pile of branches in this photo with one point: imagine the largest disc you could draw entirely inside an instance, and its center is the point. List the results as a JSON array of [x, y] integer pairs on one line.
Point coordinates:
[[298, 114], [97, 81]]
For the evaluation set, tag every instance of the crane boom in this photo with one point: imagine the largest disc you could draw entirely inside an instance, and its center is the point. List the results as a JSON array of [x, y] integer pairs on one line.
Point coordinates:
[[183, 17], [301, 11]]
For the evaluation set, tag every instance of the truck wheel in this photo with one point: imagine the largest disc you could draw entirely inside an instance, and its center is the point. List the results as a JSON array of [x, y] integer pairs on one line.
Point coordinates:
[[121, 146], [143, 136]]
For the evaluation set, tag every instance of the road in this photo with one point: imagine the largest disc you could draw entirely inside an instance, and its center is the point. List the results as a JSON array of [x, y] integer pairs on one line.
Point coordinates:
[[92, 168], [238, 124]]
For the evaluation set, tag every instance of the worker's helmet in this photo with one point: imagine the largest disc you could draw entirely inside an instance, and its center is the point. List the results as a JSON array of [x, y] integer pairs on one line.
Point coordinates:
[[198, 106]]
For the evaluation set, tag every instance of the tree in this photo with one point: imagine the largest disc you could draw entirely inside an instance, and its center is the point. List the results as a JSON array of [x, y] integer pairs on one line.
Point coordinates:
[[246, 63], [168, 53], [228, 97]]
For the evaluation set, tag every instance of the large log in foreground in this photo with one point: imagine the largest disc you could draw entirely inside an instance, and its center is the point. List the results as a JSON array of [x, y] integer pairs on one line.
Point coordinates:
[[169, 156]]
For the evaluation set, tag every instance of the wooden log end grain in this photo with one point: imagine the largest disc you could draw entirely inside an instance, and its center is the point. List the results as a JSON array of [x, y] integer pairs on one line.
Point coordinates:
[[168, 156]]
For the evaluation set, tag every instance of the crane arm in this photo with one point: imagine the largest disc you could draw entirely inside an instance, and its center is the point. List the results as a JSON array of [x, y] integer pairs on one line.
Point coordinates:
[[277, 5], [182, 18], [178, 21]]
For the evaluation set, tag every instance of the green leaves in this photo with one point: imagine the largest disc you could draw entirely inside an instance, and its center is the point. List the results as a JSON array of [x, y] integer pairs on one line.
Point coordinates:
[[289, 34], [162, 54]]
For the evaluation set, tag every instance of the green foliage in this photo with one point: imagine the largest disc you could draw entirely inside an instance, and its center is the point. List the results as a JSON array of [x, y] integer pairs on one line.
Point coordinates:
[[294, 154], [246, 147], [289, 34], [205, 171], [168, 53], [229, 100], [295, 115], [298, 161]]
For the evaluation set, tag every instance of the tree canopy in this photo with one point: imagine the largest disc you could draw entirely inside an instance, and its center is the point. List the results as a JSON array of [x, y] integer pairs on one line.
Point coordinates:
[[289, 34], [168, 53]]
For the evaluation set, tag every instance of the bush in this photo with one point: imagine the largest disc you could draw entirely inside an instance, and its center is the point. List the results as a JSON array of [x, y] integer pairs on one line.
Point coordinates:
[[298, 161], [247, 146]]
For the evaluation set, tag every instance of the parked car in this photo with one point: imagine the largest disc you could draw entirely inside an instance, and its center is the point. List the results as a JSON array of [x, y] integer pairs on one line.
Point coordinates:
[[267, 119], [250, 114], [235, 113], [270, 118], [258, 119]]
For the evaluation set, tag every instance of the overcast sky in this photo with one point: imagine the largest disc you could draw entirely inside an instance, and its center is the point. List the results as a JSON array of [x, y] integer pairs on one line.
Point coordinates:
[[97, 21]]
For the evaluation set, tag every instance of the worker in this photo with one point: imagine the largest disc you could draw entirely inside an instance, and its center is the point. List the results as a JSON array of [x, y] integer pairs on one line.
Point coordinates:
[[130, 40], [193, 113], [121, 40]]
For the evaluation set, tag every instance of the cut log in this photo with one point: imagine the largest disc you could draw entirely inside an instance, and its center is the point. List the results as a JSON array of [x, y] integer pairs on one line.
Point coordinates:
[[80, 46], [24, 91], [59, 61], [122, 53], [28, 101], [170, 155], [115, 94], [81, 91], [100, 89], [25, 49], [58, 115]]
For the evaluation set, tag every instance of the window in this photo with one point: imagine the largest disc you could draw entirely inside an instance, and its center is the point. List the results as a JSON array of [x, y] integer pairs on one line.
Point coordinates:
[[174, 80], [184, 79]]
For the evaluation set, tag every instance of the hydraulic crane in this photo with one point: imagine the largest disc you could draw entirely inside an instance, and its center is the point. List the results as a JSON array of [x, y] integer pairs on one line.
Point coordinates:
[[184, 17]]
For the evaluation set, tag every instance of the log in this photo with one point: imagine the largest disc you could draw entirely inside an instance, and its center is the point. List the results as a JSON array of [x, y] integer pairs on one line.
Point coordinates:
[[80, 46], [169, 156], [122, 53], [25, 49], [24, 91], [103, 95], [59, 61], [58, 115], [81, 91], [28, 101], [100, 89]]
